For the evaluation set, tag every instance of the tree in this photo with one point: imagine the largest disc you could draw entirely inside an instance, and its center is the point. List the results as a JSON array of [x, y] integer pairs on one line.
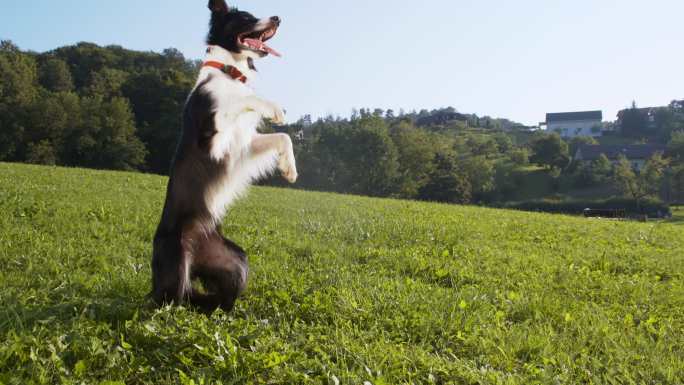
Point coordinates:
[[593, 173], [639, 185], [506, 181], [84, 59], [18, 91], [675, 148], [520, 156], [601, 168], [416, 151], [479, 172], [444, 183], [371, 157], [107, 138], [479, 146], [42, 152], [633, 122], [677, 183], [503, 142], [157, 99], [55, 75], [668, 120], [107, 82], [550, 151]]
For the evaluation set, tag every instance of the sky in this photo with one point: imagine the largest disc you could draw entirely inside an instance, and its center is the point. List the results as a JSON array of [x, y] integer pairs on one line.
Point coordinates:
[[509, 59]]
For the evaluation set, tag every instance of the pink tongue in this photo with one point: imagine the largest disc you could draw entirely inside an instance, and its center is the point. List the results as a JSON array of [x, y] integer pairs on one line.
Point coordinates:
[[259, 45]]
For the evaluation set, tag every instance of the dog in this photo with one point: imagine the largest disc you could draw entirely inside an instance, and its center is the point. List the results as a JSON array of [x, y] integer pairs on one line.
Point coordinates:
[[220, 153]]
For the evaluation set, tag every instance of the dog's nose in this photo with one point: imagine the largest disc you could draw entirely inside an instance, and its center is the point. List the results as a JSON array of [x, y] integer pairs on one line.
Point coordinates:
[[275, 20]]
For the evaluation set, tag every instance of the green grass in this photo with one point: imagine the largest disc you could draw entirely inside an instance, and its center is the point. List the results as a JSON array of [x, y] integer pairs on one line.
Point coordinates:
[[677, 215], [343, 288]]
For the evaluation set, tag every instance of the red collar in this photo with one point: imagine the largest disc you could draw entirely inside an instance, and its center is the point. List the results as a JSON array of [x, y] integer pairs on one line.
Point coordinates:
[[229, 70]]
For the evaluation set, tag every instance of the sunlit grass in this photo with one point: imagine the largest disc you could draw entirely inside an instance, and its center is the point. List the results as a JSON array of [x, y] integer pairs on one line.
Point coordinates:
[[343, 288]]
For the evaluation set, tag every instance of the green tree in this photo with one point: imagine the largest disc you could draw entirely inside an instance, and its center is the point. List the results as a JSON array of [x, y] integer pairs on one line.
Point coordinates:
[[675, 148], [157, 99], [482, 146], [445, 184], [633, 122], [479, 172], [416, 151], [640, 185], [42, 152], [677, 183], [55, 75], [107, 137], [601, 168], [519, 156], [593, 173], [86, 58], [371, 157], [18, 91], [550, 151], [46, 120], [507, 181], [504, 143], [107, 82]]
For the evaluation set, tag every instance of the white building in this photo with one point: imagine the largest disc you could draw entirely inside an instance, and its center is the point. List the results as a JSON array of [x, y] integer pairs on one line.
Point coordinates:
[[572, 124]]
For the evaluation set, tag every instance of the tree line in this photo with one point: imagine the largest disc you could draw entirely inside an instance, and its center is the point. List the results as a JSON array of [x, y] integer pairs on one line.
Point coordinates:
[[112, 108], [369, 154], [91, 106]]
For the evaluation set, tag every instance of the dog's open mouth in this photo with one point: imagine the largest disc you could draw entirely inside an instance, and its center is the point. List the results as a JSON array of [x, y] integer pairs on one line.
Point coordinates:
[[256, 40]]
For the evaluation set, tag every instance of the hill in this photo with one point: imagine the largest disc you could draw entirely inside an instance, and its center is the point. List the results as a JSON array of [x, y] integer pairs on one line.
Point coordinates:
[[343, 289]]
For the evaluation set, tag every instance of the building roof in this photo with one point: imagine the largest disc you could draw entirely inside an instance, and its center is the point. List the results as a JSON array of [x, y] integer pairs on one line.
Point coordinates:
[[634, 151], [574, 116]]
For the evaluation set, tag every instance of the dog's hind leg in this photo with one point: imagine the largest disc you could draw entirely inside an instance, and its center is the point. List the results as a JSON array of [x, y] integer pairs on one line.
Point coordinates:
[[223, 288], [222, 267], [167, 269]]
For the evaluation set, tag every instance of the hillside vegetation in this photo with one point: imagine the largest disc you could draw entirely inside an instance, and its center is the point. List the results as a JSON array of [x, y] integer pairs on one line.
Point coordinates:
[[343, 290], [89, 106]]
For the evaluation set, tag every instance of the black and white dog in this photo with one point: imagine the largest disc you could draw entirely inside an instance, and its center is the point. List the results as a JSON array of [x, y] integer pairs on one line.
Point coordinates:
[[219, 154]]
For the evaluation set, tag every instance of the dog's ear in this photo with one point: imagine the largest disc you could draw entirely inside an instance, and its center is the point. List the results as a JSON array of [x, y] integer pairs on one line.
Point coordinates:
[[218, 6]]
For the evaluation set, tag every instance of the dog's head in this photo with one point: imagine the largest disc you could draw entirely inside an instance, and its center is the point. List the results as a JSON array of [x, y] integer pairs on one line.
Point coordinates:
[[240, 32]]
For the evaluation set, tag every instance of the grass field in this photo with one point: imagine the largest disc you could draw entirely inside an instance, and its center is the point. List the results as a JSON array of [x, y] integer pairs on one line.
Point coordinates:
[[343, 290], [677, 215]]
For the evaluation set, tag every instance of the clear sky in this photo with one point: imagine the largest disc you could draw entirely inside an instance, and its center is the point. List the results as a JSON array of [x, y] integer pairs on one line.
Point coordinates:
[[503, 58]]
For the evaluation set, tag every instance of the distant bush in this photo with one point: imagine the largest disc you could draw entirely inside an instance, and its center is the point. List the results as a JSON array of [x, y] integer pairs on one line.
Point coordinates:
[[648, 206]]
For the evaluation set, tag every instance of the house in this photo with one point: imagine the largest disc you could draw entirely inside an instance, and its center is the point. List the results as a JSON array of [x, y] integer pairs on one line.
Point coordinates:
[[637, 154], [572, 124]]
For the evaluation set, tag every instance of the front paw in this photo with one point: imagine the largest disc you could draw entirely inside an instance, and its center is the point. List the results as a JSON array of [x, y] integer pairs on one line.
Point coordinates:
[[288, 167], [289, 172]]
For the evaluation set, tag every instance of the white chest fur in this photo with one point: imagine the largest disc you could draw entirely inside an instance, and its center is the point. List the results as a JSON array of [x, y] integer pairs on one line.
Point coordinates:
[[237, 116]]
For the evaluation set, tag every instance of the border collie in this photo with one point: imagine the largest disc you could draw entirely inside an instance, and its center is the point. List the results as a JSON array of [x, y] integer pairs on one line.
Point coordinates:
[[219, 154]]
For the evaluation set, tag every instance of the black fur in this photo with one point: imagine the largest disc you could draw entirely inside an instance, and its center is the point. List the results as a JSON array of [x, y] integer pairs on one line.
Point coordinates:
[[188, 243], [226, 24]]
